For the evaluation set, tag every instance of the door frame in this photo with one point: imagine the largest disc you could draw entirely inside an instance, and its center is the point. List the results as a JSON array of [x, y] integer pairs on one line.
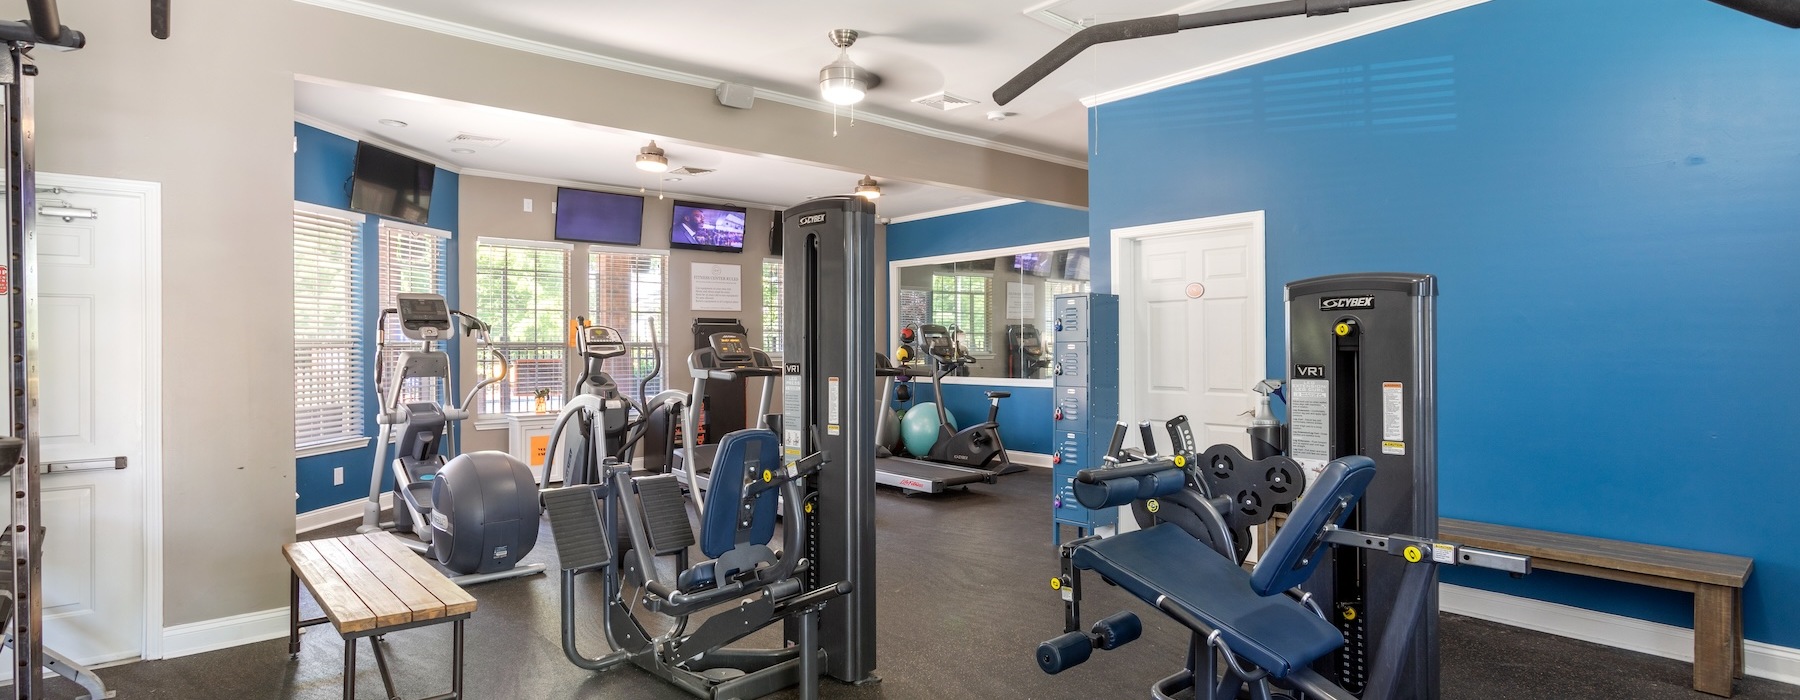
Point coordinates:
[[150, 193], [1125, 243]]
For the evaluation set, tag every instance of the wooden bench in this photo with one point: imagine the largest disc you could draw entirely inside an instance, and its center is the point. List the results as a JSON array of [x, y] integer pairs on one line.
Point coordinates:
[[1716, 580], [368, 586]]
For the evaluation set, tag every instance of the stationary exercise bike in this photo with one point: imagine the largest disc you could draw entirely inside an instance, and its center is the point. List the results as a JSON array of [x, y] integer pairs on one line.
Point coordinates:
[[476, 513], [978, 445]]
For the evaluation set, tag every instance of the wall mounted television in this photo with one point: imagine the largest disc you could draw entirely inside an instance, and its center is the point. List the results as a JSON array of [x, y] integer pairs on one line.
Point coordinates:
[[599, 217], [707, 227], [385, 183]]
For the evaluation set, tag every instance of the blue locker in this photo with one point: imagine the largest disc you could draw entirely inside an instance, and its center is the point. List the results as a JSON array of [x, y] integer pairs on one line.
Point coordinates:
[[1086, 400]]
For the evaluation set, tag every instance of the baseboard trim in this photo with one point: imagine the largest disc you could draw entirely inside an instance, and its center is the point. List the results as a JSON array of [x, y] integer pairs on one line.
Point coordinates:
[[1761, 660], [224, 632], [332, 515], [1029, 459]]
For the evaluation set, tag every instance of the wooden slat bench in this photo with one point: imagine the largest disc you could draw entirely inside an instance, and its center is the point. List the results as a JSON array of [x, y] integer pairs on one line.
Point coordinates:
[[368, 586], [1716, 580]]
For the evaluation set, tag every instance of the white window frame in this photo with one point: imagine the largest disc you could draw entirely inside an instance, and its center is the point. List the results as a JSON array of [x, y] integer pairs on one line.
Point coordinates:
[[986, 336], [395, 340], [633, 343], [489, 420], [354, 401], [894, 267]]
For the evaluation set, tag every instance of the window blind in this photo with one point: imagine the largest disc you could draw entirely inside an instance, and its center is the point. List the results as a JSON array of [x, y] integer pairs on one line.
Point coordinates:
[[412, 262], [771, 307], [960, 302], [627, 291], [520, 292], [328, 389]]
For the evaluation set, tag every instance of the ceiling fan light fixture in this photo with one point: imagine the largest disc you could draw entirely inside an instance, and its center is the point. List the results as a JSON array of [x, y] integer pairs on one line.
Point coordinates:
[[842, 82], [868, 188], [651, 159]]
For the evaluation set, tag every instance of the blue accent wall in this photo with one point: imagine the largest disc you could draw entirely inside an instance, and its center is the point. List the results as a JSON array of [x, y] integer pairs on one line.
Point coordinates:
[[322, 167], [1025, 420], [1607, 192]]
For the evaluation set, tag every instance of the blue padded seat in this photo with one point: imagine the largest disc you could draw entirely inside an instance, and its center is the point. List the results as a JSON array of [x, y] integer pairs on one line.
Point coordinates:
[[1274, 632], [741, 456], [697, 577]]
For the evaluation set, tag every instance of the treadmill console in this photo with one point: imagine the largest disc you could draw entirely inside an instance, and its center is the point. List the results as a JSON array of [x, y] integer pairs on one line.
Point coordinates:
[[936, 340], [731, 349], [601, 342], [424, 316]]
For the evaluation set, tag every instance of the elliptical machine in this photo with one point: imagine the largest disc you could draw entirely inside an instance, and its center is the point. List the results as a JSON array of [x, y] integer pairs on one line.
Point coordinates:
[[607, 412], [978, 445], [476, 514]]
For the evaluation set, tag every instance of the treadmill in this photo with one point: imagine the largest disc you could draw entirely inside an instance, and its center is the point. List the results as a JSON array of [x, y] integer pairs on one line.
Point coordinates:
[[726, 358], [914, 476]]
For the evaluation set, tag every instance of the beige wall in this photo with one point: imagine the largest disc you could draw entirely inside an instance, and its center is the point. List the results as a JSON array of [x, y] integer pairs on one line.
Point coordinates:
[[209, 115]]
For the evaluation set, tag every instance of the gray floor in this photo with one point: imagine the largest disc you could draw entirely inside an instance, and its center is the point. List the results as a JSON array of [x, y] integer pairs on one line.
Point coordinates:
[[963, 603]]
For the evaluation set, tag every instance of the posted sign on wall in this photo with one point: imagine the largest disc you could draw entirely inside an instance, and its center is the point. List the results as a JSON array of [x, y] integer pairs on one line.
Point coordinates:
[[717, 287]]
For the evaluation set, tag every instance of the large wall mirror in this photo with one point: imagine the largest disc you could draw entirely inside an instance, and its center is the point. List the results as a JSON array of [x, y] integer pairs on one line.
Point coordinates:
[[999, 299]]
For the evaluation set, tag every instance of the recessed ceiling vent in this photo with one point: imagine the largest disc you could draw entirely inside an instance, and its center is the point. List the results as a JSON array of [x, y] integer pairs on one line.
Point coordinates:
[[945, 101], [474, 141], [691, 171]]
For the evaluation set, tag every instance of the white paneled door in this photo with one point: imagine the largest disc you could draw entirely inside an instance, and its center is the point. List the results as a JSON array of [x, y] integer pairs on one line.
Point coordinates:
[[1193, 296], [92, 309]]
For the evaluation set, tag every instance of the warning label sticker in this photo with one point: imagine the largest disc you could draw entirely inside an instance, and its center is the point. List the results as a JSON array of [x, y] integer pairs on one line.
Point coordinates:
[[831, 406], [1309, 423], [1443, 553], [1393, 412], [1393, 447]]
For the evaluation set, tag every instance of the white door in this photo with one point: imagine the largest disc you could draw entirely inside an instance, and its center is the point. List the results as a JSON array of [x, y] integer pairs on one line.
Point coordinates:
[[1192, 296], [91, 415]]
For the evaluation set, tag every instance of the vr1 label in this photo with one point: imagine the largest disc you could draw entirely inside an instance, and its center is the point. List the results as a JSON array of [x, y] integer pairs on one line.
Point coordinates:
[[1344, 303], [1309, 371], [812, 219]]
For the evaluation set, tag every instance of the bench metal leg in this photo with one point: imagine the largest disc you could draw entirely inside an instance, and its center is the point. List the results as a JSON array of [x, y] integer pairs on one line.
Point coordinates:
[[1715, 628], [350, 668], [456, 660], [387, 680], [293, 613]]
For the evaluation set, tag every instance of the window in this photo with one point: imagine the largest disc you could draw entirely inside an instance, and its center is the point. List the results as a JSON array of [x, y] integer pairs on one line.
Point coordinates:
[[328, 378], [520, 293], [412, 262], [961, 302], [626, 292], [771, 306]]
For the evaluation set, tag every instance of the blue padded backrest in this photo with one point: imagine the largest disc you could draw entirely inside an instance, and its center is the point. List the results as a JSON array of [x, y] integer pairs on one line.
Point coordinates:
[[1296, 551], [742, 456]]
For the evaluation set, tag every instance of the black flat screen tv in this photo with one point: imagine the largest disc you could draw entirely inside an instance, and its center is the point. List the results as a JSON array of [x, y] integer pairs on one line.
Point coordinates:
[[707, 227], [385, 183], [599, 217]]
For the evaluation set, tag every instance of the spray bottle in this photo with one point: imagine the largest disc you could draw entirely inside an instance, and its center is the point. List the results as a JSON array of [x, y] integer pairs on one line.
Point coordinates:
[[1267, 438]]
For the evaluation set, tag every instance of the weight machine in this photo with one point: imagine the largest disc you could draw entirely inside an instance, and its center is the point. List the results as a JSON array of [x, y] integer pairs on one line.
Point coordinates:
[[21, 581]]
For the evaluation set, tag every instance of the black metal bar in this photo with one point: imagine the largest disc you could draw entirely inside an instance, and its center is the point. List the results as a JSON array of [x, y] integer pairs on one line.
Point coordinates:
[[1148, 466], [44, 19], [159, 19], [293, 613], [456, 659], [387, 680], [350, 668], [21, 182], [23, 33], [1163, 24]]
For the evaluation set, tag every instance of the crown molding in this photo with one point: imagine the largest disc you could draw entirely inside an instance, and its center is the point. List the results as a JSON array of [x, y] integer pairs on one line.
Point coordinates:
[[462, 31], [1410, 13]]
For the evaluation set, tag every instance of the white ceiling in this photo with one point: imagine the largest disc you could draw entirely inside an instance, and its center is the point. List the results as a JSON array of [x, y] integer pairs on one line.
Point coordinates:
[[918, 47], [562, 151]]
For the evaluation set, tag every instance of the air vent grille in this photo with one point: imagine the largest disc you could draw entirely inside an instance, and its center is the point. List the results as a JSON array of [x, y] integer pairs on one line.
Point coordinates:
[[945, 101], [691, 171], [474, 141]]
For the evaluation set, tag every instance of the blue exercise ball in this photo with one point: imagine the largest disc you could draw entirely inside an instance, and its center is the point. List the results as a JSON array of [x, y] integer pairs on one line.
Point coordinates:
[[919, 428]]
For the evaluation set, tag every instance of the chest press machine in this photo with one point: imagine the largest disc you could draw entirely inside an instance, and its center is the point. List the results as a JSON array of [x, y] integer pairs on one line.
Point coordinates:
[[1323, 614]]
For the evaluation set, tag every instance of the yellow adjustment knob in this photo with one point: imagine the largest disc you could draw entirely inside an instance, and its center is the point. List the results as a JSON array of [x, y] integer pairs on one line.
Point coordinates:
[[1056, 584], [1152, 506], [1180, 460], [768, 476], [1342, 329], [1413, 554], [809, 509], [1349, 613]]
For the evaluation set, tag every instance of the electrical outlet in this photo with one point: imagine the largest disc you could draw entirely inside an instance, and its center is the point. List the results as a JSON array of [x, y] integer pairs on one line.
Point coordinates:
[[337, 476], [528, 205]]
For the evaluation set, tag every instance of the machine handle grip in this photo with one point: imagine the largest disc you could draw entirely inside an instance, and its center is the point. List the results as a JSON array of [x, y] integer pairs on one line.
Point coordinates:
[[1118, 443], [1148, 435]]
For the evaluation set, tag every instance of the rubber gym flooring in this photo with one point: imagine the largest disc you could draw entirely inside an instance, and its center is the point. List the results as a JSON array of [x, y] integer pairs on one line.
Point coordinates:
[[963, 603]]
